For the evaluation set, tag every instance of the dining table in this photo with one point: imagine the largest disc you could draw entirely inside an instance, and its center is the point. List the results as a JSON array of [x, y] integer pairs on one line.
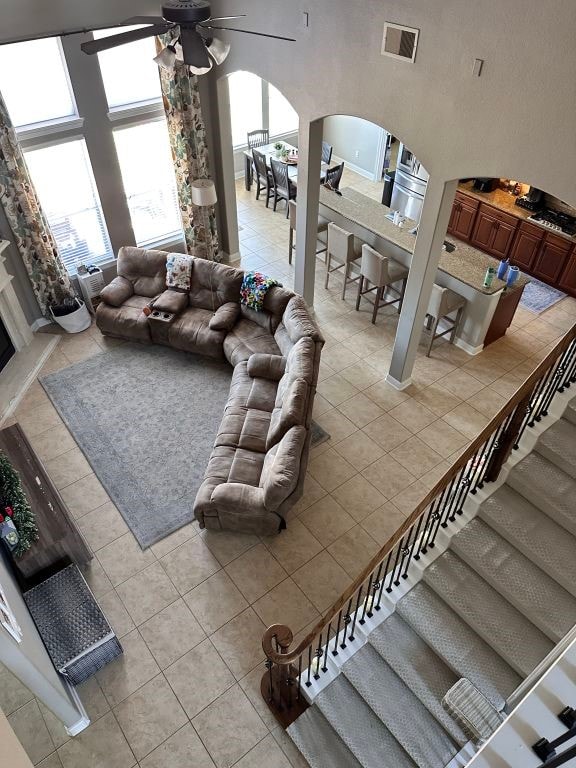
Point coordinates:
[[269, 151]]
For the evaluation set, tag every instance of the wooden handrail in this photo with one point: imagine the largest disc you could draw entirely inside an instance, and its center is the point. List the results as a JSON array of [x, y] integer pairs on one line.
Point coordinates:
[[522, 393]]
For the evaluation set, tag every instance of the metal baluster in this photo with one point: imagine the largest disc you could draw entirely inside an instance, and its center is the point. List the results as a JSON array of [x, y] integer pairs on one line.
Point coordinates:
[[347, 620], [492, 445], [481, 463], [435, 519], [464, 488], [368, 590], [398, 548], [375, 588], [405, 553], [269, 666], [299, 691], [451, 501], [308, 682], [571, 374], [416, 534], [318, 656], [351, 636], [553, 386], [535, 401], [566, 363], [335, 649], [425, 531], [324, 665], [546, 380], [384, 572]]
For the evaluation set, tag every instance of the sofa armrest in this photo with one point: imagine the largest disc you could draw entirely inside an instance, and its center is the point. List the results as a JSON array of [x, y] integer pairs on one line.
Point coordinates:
[[171, 301], [224, 317], [238, 497], [116, 292], [264, 366]]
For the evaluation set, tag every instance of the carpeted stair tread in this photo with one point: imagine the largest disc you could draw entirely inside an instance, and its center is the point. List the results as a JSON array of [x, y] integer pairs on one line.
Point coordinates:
[[570, 412], [491, 616], [419, 667], [407, 719], [319, 743], [359, 728], [558, 445], [547, 487], [541, 599], [542, 540], [460, 647]]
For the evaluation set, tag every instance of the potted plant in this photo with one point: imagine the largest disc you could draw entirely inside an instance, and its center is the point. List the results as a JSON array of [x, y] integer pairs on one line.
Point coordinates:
[[278, 148]]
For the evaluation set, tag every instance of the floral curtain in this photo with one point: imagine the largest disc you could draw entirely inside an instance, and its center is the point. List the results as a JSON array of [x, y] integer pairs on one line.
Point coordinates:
[[32, 235], [189, 152]]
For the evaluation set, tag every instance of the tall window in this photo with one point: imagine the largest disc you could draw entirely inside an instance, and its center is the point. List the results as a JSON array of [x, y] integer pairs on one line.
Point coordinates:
[[254, 104], [72, 167]]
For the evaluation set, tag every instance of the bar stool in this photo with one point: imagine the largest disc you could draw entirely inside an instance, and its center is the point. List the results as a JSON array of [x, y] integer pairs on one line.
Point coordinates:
[[344, 249], [322, 229], [380, 272], [443, 302]]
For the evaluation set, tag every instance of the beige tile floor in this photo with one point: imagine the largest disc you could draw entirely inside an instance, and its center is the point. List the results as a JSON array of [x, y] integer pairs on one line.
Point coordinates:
[[186, 692]]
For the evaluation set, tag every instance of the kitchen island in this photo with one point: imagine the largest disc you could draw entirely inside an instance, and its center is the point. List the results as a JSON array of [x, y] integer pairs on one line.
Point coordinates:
[[488, 312]]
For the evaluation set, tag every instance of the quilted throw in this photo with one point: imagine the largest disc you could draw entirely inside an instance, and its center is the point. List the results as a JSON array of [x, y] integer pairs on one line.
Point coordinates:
[[178, 271], [254, 288]]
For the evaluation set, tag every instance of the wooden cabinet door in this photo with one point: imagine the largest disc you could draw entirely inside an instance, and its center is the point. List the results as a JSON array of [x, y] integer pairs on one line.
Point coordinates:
[[465, 223], [453, 217], [484, 230], [551, 259], [567, 280], [526, 245], [502, 240]]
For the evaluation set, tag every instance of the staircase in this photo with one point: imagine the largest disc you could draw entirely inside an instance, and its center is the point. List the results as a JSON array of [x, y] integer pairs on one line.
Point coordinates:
[[489, 608]]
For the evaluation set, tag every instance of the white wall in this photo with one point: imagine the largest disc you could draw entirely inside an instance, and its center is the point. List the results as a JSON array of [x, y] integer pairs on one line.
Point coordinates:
[[354, 140]]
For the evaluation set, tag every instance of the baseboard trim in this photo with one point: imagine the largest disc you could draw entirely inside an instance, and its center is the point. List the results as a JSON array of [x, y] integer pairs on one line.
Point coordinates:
[[400, 385], [468, 347], [40, 323]]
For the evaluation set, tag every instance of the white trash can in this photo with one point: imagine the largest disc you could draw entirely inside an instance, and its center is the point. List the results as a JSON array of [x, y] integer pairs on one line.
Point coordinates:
[[76, 321]]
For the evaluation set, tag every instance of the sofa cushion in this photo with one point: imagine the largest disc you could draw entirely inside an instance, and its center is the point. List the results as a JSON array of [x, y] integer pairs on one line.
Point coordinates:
[[145, 269], [244, 428], [214, 284], [275, 302], [234, 465], [126, 321], [190, 332], [246, 338], [116, 292], [296, 324], [290, 413], [299, 365], [281, 468], [266, 366], [171, 301], [225, 316], [247, 392]]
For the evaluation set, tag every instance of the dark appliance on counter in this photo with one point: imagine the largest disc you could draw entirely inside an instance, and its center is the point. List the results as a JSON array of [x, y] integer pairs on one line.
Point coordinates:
[[532, 200], [556, 221], [484, 184], [388, 186]]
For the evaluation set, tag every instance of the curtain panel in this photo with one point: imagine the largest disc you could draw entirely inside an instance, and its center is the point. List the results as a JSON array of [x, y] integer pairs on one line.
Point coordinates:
[[189, 153], [32, 234]]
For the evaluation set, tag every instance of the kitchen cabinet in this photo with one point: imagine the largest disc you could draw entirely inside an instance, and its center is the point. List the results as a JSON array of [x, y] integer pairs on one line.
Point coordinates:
[[526, 245], [462, 217], [493, 231], [551, 259], [567, 280]]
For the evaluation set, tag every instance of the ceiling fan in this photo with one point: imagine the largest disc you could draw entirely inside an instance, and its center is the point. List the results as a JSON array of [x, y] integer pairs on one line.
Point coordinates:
[[190, 21]]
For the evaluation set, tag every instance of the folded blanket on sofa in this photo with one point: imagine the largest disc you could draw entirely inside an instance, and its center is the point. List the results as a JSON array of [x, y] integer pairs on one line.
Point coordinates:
[[178, 271], [254, 288]]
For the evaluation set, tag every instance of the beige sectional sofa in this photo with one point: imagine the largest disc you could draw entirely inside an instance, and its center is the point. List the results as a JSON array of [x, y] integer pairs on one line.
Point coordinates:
[[256, 471]]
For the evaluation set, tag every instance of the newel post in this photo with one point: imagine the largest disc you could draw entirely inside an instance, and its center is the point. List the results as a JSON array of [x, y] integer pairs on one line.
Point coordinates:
[[280, 685]]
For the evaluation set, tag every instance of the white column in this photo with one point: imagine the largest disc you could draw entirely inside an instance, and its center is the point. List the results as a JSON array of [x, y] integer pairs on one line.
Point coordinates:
[[427, 251], [309, 164]]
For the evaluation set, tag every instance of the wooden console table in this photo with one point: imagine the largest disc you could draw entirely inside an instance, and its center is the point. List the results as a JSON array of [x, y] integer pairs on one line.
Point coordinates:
[[59, 540]]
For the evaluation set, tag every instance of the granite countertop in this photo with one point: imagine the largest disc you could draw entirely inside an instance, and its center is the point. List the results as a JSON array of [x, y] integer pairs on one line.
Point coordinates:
[[505, 202], [466, 263]]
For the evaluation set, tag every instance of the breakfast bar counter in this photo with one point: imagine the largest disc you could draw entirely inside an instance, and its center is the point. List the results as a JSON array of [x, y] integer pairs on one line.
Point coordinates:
[[461, 270]]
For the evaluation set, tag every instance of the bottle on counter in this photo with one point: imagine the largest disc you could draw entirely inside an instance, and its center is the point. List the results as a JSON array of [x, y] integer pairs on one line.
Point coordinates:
[[502, 269], [513, 275], [489, 277]]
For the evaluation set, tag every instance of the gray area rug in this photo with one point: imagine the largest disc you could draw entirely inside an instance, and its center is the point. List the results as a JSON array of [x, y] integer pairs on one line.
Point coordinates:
[[537, 296], [146, 418]]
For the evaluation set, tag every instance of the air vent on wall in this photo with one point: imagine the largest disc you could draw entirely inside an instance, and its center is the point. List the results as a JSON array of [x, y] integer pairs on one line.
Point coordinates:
[[399, 42]]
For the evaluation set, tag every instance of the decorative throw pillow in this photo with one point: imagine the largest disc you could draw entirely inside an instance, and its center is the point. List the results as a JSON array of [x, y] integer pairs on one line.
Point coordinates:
[[253, 290], [178, 271]]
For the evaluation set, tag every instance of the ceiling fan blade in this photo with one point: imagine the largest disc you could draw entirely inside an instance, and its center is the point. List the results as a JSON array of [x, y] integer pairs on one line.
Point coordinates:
[[194, 48], [144, 20], [249, 32], [104, 43], [225, 18]]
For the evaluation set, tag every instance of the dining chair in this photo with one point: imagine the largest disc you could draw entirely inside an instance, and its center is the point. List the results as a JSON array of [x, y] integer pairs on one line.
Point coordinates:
[[334, 176], [326, 152], [322, 230], [344, 250], [258, 138], [283, 189], [379, 273], [443, 302], [263, 175]]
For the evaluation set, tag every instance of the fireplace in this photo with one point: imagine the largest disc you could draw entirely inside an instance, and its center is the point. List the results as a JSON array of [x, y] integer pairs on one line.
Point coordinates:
[[6, 346]]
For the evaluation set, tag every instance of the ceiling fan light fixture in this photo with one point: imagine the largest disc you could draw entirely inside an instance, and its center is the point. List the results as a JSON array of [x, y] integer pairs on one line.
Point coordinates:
[[218, 49], [166, 58]]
